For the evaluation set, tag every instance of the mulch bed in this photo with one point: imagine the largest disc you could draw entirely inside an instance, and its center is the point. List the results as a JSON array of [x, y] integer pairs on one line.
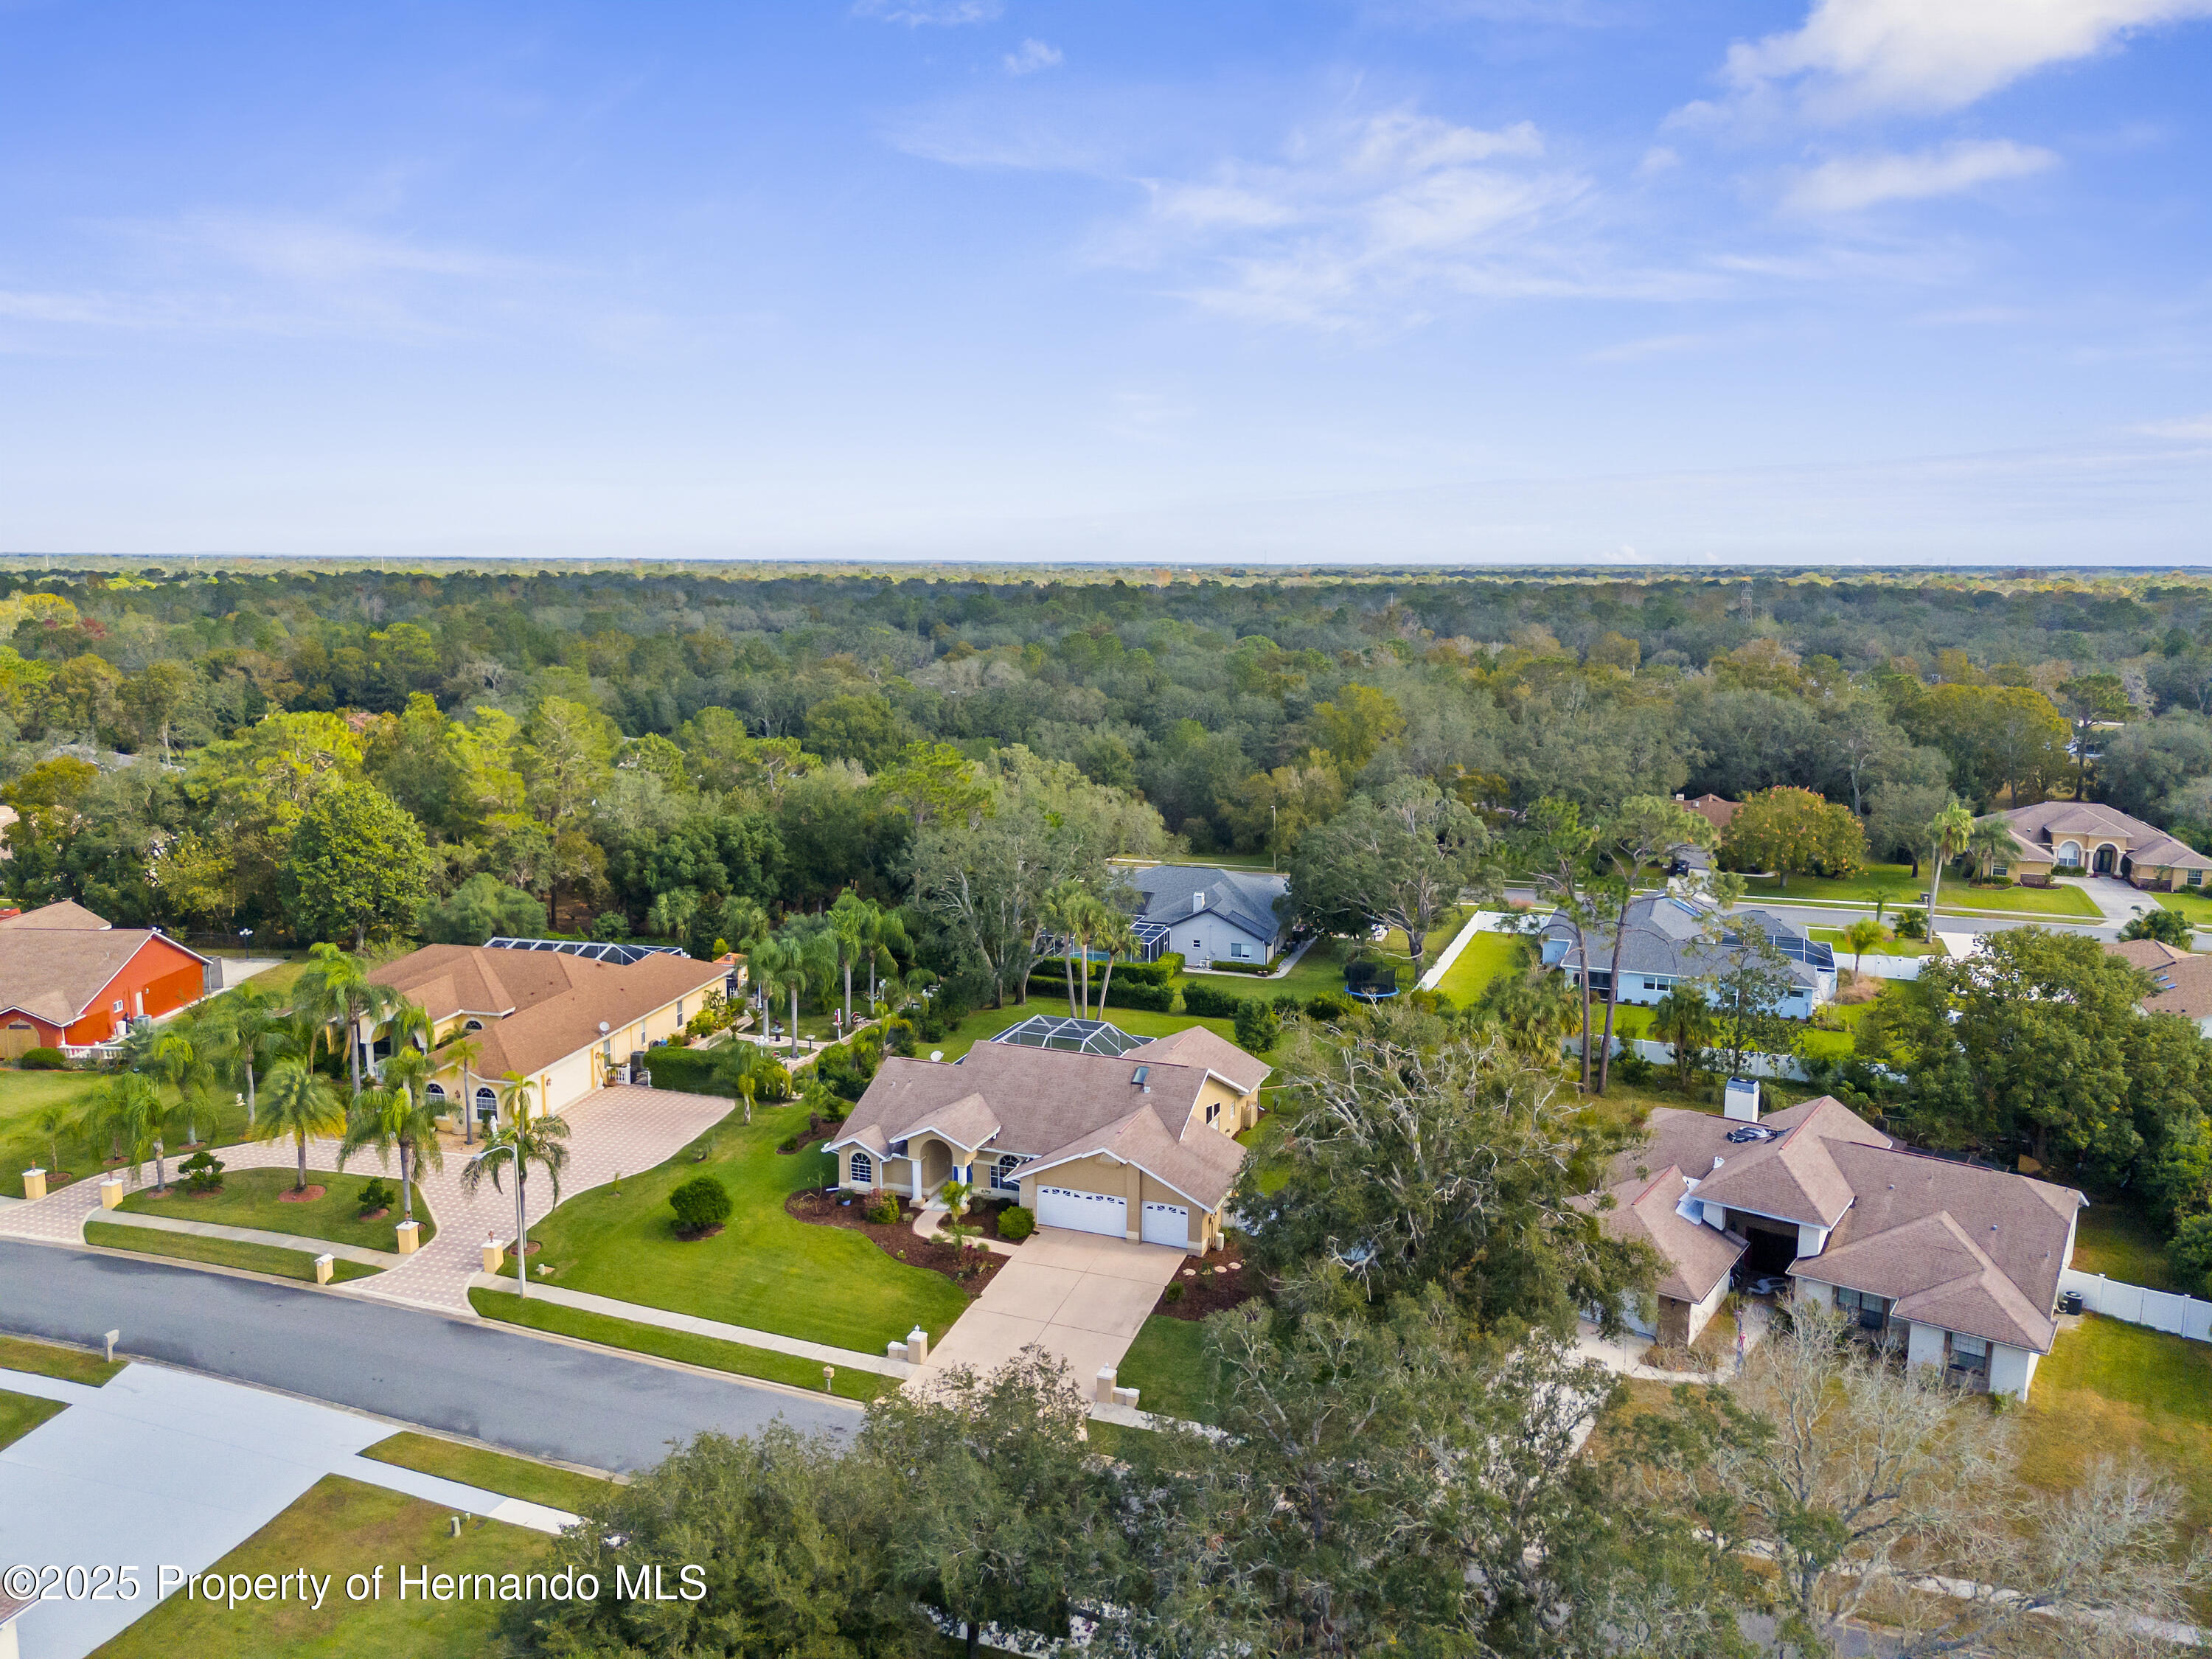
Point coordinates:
[[372, 1215], [813, 1137], [823, 1210], [293, 1196], [1207, 1292]]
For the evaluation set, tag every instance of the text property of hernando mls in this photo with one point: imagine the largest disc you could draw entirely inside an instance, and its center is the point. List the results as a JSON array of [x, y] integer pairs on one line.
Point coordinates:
[[647, 1582]]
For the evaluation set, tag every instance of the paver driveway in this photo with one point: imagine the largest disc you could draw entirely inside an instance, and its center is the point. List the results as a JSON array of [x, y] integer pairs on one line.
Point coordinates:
[[611, 1131], [1079, 1297]]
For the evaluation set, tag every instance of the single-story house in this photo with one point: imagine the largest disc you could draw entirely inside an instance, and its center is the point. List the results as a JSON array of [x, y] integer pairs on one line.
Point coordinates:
[[1668, 937], [2181, 981], [2083, 838], [1958, 1263], [1137, 1144], [566, 1023], [1716, 810], [1697, 1260], [68, 979], [1210, 915]]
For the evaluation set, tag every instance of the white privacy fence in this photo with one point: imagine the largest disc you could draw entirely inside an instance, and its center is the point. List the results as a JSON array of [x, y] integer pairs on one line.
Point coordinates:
[[1662, 1053], [2161, 1310]]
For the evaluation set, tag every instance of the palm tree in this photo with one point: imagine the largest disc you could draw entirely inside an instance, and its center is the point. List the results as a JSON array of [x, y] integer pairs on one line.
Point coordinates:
[[521, 1141], [337, 990], [134, 1114], [398, 1114], [301, 1103], [462, 1051], [1948, 831], [49, 1120], [182, 1055], [1684, 1019], [1861, 936], [851, 923], [1114, 933], [251, 1029], [1991, 842]]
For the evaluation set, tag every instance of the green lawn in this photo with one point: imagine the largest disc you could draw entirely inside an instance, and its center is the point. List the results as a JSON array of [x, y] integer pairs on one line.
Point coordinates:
[[50, 1359], [338, 1528], [21, 1412], [1888, 947], [741, 1359], [2109, 1389], [764, 1269], [499, 1471], [21, 1145], [250, 1198], [219, 1252], [1167, 1366], [2198, 907], [1897, 884], [2116, 1240], [1486, 956]]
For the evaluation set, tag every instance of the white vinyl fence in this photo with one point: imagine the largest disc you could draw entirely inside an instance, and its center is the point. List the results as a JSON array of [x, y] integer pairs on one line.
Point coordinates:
[[2161, 1310], [1662, 1053]]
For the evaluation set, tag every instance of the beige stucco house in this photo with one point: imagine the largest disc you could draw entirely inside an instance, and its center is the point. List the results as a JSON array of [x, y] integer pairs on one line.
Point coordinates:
[[2083, 838], [565, 1022], [1129, 1139], [1957, 1264]]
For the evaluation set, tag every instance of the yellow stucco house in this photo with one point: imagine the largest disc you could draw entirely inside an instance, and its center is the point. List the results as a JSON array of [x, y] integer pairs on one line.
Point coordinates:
[[1094, 1130]]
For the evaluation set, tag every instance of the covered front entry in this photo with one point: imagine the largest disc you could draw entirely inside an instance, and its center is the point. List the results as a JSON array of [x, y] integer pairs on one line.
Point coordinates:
[[2107, 859], [935, 1165], [1167, 1224], [1084, 1212]]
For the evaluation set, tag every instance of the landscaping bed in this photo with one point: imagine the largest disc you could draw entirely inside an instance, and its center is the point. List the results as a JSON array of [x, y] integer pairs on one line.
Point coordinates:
[[970, 1269], [1207, 1290]]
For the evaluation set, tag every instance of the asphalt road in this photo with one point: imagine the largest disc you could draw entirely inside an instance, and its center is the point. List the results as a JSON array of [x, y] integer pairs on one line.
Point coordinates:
[[546, 1399]]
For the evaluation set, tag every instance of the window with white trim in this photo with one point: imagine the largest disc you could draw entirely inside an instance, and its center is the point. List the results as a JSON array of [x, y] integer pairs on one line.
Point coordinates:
[[1213, 1111], [1006, 1172], [2195, 878], [1237, 951], [861, 1170]]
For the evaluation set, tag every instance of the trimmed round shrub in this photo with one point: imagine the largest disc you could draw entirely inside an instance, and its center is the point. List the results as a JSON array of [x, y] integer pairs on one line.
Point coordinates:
[[1016, 1224], [700, 1203], [44, 1060]]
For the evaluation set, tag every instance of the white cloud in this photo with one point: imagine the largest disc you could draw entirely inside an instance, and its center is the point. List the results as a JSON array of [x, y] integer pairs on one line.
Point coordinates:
[[1852, 182], [1853, 57], [943, 14], [1032, 56], [2198, 430]]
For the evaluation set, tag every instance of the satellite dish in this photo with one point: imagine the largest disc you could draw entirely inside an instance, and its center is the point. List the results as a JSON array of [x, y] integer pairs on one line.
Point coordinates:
[[937, 1053]]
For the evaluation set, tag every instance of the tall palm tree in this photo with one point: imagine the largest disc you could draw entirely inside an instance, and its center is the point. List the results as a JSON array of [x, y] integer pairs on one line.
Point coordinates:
[[1991, 842], [398, 1114], [338, 991], [519, 1142], [1116, 937], [462, 1051], [853, 922], [49, 1120], [252, 1030], [301, 1103], [780, 966], [1948, 832], [134, 1116], [183, 1056]]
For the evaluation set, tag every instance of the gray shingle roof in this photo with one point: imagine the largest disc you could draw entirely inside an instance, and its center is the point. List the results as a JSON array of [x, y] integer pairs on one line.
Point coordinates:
[[1246, 897], [1664, 934]]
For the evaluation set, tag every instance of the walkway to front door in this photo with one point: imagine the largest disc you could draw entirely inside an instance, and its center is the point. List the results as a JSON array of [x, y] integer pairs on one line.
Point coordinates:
[[1079, 1296]]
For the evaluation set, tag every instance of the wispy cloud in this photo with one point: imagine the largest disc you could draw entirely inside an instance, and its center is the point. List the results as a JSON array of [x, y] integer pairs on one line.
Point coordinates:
[[1852, 57], [942, 14], [1030, 57], [2197, 430], [1849, 182]]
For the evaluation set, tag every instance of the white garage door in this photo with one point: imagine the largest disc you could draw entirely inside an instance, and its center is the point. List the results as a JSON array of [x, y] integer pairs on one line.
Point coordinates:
[[1085, 1212], [1167, 1224]]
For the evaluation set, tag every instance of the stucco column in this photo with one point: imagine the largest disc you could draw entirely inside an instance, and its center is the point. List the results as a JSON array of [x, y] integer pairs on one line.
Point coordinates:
[[34, 1184], [1136, 1203]]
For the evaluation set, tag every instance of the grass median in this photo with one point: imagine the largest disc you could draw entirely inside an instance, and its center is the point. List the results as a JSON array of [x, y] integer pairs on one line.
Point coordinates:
[[500, 1472], [219, 1252], [50, 1359], [683, 1346], [254, 1197]]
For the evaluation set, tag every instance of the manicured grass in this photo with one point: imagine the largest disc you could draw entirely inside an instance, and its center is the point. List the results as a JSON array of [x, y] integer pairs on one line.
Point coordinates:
[[986, 1023], [741, 1359], [1897, 884], [2112, 1238], [250, 1198], [1888, 947], [21, 1412], [2197, 906], [499, 1471], [50, 1359], [828, 1284], [1487, 956], [2109, 1388], [1168, 1367], [338, 1528], [219, 1252], [21, 1145]]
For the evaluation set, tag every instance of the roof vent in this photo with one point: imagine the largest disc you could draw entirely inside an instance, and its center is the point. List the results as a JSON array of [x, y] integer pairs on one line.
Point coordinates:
[[1740, 1104]]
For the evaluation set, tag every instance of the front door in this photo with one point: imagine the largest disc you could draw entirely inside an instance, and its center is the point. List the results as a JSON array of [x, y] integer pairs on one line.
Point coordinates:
[[2105, 859], [18, 1039]]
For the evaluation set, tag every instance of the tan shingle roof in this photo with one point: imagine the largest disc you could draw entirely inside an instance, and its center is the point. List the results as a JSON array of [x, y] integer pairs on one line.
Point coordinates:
[[1199, 1047], [2181, 983], [548, 1005], [1696, 1257], [1203, 1165], [1794, 1177], [57, 973], [1932, 1271], [63, 914], [2146, 843]]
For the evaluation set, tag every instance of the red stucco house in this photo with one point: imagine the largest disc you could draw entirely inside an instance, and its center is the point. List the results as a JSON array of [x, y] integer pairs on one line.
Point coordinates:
[[69, 980]]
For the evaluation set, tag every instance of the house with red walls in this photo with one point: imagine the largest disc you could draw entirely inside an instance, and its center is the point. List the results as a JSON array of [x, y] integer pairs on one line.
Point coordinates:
[[69, 980]]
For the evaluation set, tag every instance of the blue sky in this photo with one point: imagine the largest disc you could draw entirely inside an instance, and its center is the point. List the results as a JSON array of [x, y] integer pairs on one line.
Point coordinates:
[[1373, 280]]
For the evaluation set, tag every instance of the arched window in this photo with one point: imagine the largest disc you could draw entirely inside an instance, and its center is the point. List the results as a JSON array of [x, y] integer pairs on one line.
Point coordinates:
[[473, 1025], [1004, 1174], [436, 1092], [863, 1171]]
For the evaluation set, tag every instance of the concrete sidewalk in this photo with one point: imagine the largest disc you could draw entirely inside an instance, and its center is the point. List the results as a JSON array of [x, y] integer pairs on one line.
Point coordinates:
[[163, 1467], [163, 1223]]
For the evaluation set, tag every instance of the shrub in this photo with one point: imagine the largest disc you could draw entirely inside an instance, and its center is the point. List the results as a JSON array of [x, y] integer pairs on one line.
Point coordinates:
[[1911, 924], [1259, 1028], [202, 1172], [1174, 1292], [482, 906], [1016, 1224], [1130, 973], [44, 1060], [2189, 1254], [1206, 1001], [1154, 999], [1220, 967], [1329, 1008], [700, 1203], [610, 926], [1632, 1068], [377, 1193], [884, 1212]]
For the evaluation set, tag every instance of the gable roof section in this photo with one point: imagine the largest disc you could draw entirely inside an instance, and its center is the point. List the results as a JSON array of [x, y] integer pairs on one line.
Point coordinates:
[[61, 914], [538, 1005], [1241, 897], [1666, 935], [1202, 1167], [1716, 810], [2042, 825], [58, 974], [1794, 1177], [1696, 1257], [1931, 1271], [2180, 983], [1199, 1047]]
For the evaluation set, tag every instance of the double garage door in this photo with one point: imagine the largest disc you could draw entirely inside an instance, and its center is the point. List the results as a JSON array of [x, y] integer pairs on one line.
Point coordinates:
[[1102, 1212]]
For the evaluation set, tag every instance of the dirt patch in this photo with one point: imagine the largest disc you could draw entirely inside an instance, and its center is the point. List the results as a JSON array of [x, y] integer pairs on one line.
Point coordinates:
[[300, 1194], [214, 1191], [692, 1235], [1207, 1290], [970, 1269], [372, 1215]]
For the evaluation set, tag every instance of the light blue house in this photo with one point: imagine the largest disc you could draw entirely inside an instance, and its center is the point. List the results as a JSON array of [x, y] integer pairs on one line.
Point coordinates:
[[1210, 915], [1667, 939]]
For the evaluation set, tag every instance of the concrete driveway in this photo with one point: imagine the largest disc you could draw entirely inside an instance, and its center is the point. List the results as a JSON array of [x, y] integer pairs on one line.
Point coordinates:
[[1079, 1297]]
